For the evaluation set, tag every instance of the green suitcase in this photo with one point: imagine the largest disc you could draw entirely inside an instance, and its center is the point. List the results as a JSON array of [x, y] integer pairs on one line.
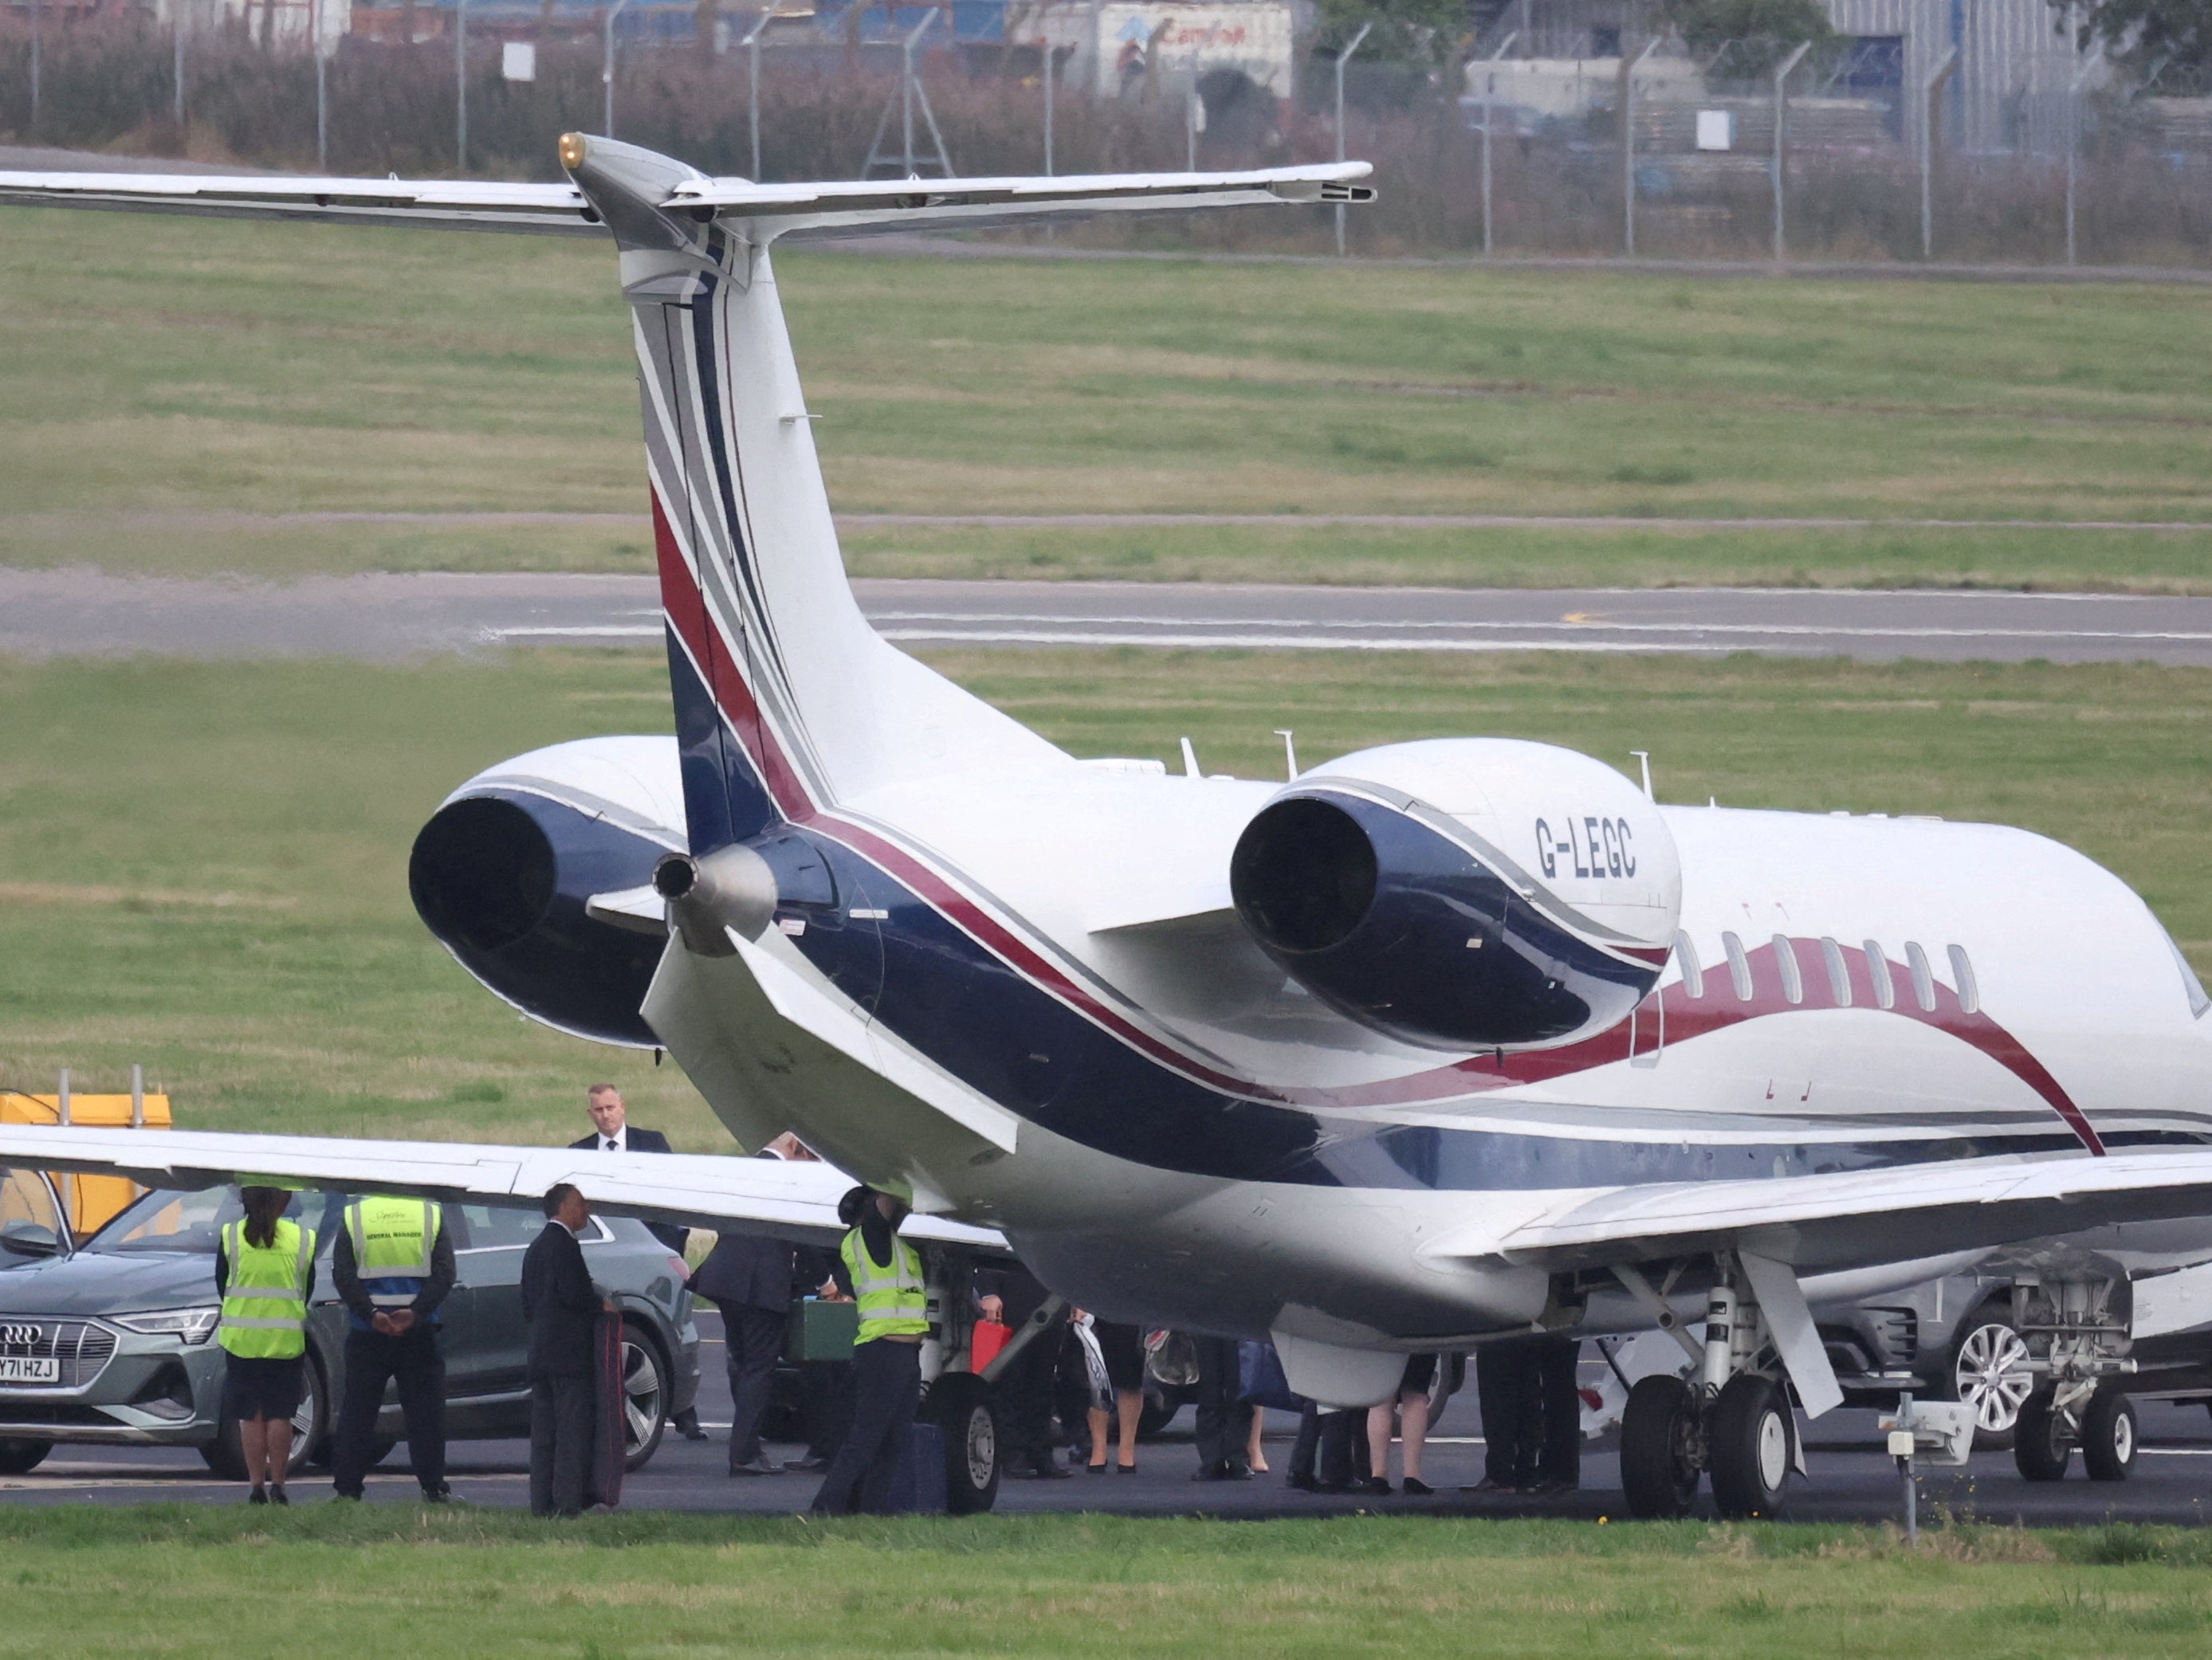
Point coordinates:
[[821, 1331]]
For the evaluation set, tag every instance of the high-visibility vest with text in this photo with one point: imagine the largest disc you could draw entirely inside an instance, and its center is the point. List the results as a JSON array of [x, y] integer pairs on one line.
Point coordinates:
[[392, 1240], [892, 1300], [264, 1298]]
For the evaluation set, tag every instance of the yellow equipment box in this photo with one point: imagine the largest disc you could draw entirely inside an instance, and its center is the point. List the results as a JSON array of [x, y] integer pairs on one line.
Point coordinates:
[[90, 1200]]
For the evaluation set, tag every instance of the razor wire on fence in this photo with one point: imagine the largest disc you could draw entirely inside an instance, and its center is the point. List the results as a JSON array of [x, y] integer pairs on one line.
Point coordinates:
[[1865, 147]]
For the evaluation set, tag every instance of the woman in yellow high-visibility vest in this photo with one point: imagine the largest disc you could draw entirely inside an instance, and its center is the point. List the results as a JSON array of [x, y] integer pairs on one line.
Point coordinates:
[[263, 1272]]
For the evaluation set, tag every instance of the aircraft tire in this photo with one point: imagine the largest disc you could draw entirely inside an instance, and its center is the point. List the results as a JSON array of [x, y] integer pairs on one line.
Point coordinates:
[[1748, 1448], [2109, 1439], [1659, 1464], [2039, 1446], [960, 1405]]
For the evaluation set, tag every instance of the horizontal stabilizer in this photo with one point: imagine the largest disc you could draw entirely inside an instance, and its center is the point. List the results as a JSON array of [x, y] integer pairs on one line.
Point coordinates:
[[456, 204], [792, 1199], [841, 207]]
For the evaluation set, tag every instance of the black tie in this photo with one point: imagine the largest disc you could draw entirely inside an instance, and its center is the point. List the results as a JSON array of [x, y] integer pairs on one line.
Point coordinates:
[[610, 1147]]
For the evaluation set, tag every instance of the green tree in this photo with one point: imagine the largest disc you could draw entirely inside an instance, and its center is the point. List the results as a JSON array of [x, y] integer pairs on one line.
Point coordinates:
[[2165, 43], [1761, 33], [1406, 31]]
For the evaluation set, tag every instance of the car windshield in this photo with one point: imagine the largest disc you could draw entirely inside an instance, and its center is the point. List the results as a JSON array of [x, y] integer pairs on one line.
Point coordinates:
[[189, 1222]]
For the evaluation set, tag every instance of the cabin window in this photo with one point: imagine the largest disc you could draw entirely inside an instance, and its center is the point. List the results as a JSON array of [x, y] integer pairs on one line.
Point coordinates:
[[1962, 975], [1839, 976], [1693, 976], [1785, 958], [1924, 981], [1739, 966], [1885, 988]]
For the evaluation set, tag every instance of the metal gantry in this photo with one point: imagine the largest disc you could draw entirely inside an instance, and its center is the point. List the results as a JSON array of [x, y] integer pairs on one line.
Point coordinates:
[[910, 93], [607, 73], [1488, 110]]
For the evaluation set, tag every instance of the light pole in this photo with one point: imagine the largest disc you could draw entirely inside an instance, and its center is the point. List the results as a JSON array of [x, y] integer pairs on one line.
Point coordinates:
[[37, 7], [1781, 107], [1489, 91], [461, 86], [1342, 58], [322, 89], [177, 73], [751, 44], [2073, 140], [1045, 35], [1627, 102], [607, 77], [1931, 107]]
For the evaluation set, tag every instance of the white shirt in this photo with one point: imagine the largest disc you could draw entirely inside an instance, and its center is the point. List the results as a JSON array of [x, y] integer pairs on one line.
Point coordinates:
[[617, 1143]]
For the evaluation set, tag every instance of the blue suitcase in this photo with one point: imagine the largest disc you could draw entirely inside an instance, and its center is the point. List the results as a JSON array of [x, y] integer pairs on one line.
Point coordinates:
[[918, 1486]]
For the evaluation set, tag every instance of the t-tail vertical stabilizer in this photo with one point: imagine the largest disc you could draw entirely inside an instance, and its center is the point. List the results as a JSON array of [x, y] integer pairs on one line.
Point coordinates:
[[787, 700]]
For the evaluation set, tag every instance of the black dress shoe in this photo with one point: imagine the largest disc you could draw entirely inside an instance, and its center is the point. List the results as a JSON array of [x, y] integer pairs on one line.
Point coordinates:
[[1097, 1469], [1046, 1470], [1303, 1484], [810, 1465], [1417, 1487], [1211, 1473], [1375, 1484]]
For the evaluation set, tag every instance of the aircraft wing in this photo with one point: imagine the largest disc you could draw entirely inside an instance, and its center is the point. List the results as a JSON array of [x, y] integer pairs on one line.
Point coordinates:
[[1851, 1218], [838, 208], [790, 1199]]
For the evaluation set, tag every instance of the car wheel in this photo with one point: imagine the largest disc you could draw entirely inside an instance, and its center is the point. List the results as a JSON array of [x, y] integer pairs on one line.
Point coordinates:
[[960, 1405], [2040, 1448], [645, 1397], [1659, 1456], [2108, 1436], [1987, 1370], [1748, 1451], [21, 1458], [1450, 1377]]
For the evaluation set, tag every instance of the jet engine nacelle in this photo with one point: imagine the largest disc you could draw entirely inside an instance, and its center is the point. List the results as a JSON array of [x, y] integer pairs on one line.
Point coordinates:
[[502, 873], [1464, 893]]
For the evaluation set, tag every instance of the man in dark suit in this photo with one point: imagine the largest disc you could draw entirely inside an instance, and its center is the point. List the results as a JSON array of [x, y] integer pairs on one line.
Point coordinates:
[[612, 1132], [563, 1307], [748, 1277]]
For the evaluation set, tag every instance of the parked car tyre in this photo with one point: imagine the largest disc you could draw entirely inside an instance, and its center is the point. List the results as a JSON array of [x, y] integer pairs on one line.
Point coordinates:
[[21, 1458], [2108, 1436], [2039, 1447], [645, 1396], [1986, 1368], [960, 1405], [226, 1455]]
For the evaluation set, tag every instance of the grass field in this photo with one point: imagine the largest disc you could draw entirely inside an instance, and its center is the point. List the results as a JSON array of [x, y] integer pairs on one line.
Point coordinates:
[[270, 370], [172, 1580], [203, 866]]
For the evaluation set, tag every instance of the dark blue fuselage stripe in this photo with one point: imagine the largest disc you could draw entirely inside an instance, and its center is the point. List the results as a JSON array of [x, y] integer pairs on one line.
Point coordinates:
[[942, 993]]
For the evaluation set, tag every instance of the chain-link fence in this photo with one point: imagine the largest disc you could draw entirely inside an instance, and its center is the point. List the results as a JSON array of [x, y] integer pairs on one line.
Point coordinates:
[[1856, 147]]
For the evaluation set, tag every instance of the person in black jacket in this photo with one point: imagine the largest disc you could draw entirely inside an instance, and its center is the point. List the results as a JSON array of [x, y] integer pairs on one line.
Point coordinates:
[[748, 1276], [562, 1306], [387, 1340], [612, 1132]]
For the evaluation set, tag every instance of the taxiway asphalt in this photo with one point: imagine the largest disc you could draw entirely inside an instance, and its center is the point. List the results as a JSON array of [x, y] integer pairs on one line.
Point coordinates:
[[76, 612], [1852, 1479]]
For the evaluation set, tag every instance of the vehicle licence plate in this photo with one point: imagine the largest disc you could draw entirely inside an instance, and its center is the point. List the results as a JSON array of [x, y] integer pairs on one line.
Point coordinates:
[[29, 1369]]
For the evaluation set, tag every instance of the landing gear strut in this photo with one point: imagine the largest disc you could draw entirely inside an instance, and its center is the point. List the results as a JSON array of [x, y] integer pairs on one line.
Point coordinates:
[[2077, 1349], [1731, 1417]]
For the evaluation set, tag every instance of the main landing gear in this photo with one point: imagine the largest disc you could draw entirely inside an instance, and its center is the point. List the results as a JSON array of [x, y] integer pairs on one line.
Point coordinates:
[[2077, 1350], [1731, 1419]]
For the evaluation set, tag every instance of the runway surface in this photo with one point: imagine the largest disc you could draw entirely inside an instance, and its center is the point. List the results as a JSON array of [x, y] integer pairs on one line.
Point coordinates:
[[73, 612], [1853, 1480]]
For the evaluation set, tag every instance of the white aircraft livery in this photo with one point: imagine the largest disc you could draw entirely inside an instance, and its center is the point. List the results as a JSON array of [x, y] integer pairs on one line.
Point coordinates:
[[1431, 1044]]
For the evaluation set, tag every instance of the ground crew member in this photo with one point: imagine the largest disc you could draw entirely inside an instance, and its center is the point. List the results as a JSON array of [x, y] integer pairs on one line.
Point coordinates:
[[887, 1283], [393, 1267], [265, 1268]]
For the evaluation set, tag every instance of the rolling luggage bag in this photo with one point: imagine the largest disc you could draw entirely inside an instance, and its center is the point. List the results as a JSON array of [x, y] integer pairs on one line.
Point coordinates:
[[602, 1480], [918, 1486]]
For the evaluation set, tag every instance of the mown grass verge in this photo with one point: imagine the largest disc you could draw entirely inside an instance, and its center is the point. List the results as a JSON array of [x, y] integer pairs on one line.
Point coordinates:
[[175, 1579]]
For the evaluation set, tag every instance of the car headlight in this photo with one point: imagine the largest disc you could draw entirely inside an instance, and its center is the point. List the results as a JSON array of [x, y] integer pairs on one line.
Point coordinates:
[[194, 1326]]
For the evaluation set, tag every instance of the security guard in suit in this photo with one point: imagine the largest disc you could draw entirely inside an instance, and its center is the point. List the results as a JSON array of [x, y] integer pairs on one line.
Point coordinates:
[[393, 1268], [887, 1284]]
